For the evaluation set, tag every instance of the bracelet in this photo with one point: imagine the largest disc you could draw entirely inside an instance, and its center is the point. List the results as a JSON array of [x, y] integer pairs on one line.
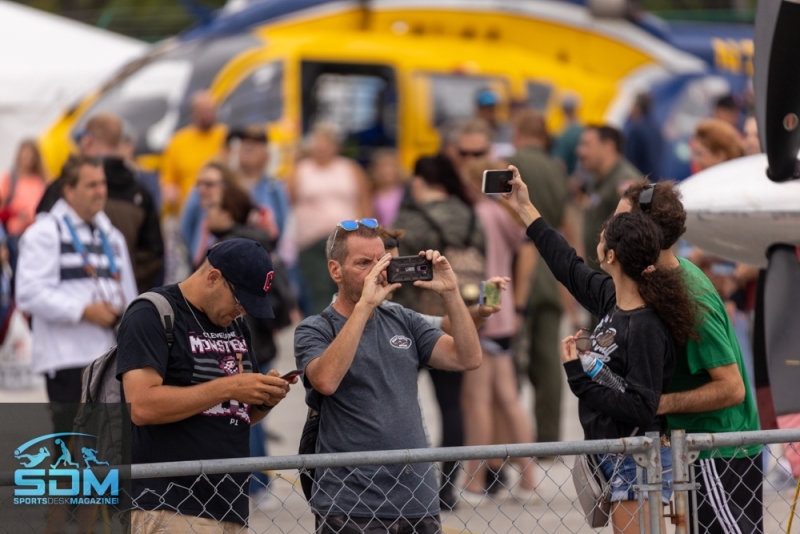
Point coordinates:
[[263, 407]]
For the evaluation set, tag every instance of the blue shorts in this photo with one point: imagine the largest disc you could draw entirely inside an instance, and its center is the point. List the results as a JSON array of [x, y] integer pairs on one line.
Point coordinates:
[[623, 478]]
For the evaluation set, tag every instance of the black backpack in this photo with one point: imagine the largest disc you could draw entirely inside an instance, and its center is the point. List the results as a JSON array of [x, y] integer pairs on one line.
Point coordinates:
[[102, 396], [308, 439]]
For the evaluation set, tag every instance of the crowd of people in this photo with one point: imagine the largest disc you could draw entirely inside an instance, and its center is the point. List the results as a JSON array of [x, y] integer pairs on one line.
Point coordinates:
[[583, 227]]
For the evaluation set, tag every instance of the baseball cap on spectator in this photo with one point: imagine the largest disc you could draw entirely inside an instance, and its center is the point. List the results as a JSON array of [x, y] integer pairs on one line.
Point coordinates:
[[252, 133], [487, 98], [248, 267]]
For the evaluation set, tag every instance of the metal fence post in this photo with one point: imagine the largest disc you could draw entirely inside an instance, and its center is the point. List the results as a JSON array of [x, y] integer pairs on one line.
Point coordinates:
[[680, 476], [654, 483]]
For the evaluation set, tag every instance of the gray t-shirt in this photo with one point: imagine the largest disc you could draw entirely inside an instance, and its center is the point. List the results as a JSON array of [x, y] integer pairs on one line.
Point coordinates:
[[374, 408]]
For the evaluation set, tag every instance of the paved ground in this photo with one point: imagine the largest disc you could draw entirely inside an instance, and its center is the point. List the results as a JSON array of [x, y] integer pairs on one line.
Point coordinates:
[[553, 510]]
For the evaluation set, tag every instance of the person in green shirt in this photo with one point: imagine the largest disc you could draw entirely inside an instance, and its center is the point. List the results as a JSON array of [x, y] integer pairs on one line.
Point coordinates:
[[710, 391]]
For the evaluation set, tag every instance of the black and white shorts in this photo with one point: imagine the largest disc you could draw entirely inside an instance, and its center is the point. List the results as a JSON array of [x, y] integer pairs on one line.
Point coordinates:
[[730, 499]]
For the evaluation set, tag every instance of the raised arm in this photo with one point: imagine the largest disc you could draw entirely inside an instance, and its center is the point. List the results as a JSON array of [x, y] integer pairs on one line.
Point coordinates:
[[594, 290], [327, 371]]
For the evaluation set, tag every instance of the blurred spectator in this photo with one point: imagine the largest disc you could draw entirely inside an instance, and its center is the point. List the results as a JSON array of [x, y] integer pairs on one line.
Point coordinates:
[[249, 147], [541, 310], [190, 148], [487, 109], [388, 187], [714, 142], [495, 381], [440, 217], [127, 151], [565, 145], [326, 189], [643, 138], [726, 109], [471, 140], [75, 279], [21, 189], [600, 153], [752, 143], [129, 206], [213, 179], [229, 219]]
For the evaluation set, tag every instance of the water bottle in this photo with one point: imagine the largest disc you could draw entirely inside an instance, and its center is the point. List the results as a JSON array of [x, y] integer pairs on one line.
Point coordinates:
[[602, 374]]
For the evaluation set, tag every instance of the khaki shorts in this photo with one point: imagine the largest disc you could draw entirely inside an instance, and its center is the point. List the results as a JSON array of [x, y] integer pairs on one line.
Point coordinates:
[[169, 522]]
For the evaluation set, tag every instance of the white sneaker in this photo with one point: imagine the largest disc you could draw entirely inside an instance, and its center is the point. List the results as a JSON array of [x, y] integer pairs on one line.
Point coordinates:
[[265, 502]]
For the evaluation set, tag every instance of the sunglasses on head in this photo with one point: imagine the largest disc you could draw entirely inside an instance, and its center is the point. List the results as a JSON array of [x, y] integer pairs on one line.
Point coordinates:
[[350, 225], [472, 153], [646, 197]]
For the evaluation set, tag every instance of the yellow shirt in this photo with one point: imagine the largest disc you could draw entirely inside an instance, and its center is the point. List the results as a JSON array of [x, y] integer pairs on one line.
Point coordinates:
[[186, 154]]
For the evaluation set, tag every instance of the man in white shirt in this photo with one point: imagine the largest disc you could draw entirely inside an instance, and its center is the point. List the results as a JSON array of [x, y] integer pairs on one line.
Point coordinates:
[[74, 277]]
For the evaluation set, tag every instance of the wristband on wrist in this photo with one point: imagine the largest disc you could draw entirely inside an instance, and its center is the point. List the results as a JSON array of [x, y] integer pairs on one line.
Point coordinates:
[[264, 407]]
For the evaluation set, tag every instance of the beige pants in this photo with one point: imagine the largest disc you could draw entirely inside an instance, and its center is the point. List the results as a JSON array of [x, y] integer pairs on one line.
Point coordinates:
[[169, 522]]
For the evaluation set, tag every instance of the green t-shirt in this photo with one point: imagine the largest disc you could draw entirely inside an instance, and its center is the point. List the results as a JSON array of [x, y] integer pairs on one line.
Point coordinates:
[[717, 347]]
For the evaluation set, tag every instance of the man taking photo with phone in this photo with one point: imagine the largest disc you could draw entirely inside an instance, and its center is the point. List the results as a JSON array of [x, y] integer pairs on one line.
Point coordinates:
[[361, 362]]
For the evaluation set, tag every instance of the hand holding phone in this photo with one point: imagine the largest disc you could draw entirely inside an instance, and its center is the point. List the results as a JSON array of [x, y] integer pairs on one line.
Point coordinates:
[[292, 374], [497, 181], [490, 294]]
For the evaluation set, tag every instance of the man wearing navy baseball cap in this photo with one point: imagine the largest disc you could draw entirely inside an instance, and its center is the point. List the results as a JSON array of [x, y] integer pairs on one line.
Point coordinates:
[[194, 398]]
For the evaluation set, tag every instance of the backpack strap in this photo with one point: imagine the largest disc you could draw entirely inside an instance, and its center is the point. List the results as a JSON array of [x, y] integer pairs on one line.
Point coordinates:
[[316, 394], [165, 311], [325, 315], [438, 229]]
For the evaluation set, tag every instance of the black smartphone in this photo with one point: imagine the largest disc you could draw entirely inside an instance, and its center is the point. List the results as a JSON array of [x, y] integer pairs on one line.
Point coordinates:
[[497, 181], [409, 269]]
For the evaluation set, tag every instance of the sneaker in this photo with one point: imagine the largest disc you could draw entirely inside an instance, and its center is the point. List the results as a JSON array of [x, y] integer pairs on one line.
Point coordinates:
[[265, 502]]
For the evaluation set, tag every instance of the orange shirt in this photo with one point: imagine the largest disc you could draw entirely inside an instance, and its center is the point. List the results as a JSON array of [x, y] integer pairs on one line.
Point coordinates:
[[187, 152], [22, 209]]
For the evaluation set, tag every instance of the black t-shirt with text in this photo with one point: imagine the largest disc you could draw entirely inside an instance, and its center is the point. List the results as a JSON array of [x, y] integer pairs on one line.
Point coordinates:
[[201, 353]]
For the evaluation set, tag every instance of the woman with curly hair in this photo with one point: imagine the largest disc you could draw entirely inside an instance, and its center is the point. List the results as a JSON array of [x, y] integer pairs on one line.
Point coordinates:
[[646, 312]]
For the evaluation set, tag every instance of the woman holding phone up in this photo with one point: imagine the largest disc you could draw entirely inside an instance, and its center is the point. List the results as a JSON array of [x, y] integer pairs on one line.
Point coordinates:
[[645, 312]]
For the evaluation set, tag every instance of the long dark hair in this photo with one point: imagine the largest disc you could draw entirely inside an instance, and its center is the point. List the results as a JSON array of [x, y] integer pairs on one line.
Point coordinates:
[[636, 241], [439, 170]]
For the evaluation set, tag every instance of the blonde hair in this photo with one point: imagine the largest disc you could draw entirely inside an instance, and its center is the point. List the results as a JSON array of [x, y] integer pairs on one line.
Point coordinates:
[[719, 137]]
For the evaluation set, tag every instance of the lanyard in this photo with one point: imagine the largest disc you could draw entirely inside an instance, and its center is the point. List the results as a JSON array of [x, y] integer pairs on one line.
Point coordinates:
[[81, 249]]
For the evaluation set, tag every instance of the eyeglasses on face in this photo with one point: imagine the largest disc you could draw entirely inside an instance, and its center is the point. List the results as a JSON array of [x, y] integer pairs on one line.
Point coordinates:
[[233, 294], [352, 224], [472, 153]]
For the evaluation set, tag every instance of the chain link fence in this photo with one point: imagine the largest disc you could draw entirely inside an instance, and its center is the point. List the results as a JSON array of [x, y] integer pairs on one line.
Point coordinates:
[[493, 489]]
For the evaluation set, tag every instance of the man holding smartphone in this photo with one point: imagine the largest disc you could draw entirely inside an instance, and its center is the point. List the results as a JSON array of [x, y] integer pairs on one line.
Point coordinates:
[[361, 362]]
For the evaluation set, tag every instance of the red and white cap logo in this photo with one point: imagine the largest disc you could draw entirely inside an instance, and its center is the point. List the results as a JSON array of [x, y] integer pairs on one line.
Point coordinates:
[[268, 282]]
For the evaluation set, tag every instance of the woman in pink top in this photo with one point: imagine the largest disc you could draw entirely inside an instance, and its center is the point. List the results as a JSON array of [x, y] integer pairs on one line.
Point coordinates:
[[388, 186], [22, 189], [325, 190], [495, 380]]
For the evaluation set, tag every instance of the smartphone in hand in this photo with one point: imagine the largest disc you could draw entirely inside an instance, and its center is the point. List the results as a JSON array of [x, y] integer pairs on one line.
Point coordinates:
[[292, 374], [497, 181], [409, 269], [490, 294]]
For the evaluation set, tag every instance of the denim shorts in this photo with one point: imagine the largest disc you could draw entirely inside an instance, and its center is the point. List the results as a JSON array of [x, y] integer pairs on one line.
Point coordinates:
[[623, 478]]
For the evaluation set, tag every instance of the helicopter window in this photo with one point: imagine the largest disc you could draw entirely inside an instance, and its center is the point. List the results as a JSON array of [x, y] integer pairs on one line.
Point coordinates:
[[360, 99], [454, 96], [257, 99], [154, 98], [538, 96]]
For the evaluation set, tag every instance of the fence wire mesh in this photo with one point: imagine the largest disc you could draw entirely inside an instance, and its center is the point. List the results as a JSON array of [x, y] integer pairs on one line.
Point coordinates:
[[497, 489]]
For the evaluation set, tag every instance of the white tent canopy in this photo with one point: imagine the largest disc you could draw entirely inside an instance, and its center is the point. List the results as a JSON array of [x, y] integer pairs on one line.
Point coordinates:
[[46, 63]]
